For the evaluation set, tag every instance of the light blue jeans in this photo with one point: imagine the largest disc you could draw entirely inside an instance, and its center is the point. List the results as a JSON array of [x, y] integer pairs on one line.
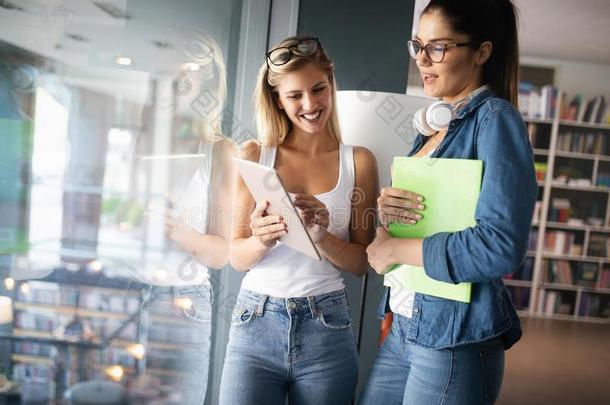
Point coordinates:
[[300, 348], [407, 374]]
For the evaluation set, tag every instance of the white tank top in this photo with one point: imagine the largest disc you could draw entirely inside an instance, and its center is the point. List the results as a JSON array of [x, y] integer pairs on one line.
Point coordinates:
[[179, 267], [288, 273]]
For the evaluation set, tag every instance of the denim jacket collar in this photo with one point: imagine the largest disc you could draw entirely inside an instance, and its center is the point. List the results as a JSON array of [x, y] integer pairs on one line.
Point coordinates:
[[474, 103]]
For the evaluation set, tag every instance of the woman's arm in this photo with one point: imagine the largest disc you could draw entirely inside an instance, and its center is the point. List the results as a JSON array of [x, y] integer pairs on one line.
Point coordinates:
[[351, 256], [254, 232], [497, 244], [212, 249]]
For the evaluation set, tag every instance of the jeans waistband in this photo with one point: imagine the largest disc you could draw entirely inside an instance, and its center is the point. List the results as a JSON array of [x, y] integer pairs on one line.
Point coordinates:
[[313, 304]]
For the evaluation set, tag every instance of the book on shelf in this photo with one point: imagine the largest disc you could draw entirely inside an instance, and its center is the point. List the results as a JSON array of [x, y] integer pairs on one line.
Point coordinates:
[[604, 280], [558, 271], [538, 103], [553, 302], [582, 141], [599, 245], [559, 242], [592, 111], [585, 274], [595, 305], [560, 210]]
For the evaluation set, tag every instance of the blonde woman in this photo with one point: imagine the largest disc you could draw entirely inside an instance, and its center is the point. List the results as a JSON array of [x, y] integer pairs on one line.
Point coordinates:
[[291, 333]]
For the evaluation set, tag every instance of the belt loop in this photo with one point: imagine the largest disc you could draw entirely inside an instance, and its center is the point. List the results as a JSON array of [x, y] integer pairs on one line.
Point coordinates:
[[260, 308], [312, 306]]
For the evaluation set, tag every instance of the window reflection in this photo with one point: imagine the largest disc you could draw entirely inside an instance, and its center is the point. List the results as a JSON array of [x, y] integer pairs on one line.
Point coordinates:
[[114, 197]]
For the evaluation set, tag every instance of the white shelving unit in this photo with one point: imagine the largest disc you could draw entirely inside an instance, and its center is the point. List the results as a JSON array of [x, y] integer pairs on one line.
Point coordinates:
[[539, 285]]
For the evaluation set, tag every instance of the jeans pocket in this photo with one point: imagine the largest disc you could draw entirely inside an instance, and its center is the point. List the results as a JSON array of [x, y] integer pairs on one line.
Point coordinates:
[[492, 363], [242, 316], [200, 309], [335, 319]]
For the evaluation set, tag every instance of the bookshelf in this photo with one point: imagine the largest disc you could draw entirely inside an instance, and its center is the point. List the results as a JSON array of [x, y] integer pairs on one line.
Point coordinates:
[[566, 273]]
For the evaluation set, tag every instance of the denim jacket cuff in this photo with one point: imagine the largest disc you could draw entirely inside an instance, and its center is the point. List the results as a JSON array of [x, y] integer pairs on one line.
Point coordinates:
[[435, 257]]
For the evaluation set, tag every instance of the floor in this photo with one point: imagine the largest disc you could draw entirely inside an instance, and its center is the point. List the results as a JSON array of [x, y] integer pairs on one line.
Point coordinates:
[[558, 362]]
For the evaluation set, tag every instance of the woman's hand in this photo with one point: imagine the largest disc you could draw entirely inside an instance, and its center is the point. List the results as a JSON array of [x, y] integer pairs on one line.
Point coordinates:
[[178, 231], [315, 215], [380, 252], [265, 227], [396, 205]]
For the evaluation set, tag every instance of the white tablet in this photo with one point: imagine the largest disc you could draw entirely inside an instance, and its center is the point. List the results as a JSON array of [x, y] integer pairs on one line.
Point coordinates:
[[264, 184]]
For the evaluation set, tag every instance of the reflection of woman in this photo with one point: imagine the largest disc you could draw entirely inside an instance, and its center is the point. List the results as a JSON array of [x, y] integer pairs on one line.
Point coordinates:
[[443, 351], [291, 331], [200, 230]]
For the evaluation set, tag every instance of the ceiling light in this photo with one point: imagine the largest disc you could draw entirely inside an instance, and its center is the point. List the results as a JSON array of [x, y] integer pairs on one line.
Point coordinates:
[[123, 61]]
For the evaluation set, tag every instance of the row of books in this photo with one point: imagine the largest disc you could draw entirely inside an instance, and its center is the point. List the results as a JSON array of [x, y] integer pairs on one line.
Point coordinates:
[[570, 273], [599, 245], [560, 210], [537, 103], [555, 302], [593, 111], [581, 141], [561, 243], [603, 179], [49, 293], [595, 305], [604, 280], [60, 295], [64, 325]]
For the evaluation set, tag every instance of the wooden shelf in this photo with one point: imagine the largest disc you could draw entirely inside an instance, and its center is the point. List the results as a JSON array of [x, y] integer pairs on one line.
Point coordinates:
[[547, 255], [595, 189], [578, 155], [67, 310], [28, 358], [579, 124], [517, 283], [531, 120], [573, 287], [169, 373], [570, 227]]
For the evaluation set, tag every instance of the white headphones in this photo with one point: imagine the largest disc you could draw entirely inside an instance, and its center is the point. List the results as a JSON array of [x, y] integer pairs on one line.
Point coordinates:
[[437, 116]]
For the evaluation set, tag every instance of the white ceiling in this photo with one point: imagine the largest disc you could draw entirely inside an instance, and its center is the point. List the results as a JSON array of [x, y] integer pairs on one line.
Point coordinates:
[[575, 30]]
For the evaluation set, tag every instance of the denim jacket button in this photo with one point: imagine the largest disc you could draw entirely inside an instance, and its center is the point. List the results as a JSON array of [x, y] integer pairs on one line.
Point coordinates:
[[291, 305], [416, 310]]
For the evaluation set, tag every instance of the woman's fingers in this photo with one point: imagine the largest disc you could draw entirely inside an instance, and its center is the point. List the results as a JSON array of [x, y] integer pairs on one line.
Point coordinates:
[[398, 193], [270, 229], [386, 201], [391, 214], [260, 222]]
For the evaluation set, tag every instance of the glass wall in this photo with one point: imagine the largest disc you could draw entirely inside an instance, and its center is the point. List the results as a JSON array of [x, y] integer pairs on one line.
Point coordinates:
[[115, 132]]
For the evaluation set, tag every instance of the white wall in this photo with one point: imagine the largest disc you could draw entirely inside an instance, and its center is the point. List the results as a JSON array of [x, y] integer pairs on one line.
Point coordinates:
[[588, 79]]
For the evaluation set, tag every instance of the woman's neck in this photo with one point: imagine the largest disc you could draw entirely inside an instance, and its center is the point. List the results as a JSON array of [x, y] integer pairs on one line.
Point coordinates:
[[308, 143]]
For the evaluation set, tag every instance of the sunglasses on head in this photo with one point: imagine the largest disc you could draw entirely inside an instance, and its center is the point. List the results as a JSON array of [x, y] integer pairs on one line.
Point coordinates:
[[282, 55]]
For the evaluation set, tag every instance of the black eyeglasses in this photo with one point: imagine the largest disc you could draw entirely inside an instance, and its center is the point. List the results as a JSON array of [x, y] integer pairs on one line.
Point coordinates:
[[435, 52], [281, 55]]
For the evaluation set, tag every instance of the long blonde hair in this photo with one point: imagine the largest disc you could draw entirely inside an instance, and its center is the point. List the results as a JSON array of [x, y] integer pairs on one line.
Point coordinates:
[[272, 123]]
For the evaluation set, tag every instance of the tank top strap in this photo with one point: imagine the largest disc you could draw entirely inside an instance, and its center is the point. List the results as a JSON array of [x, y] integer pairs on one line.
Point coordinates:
[[346, 158], [267, 157]]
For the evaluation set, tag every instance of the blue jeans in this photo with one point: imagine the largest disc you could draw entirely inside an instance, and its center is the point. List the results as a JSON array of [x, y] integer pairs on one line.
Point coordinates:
[[303, 348], [404, 373], [184, 370]]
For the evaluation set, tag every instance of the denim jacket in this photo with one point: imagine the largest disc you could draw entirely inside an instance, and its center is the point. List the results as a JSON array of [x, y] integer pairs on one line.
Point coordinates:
[[488, 128]]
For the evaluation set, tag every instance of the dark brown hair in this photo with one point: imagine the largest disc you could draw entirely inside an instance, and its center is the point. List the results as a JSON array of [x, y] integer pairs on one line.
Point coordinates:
[[488, 20]]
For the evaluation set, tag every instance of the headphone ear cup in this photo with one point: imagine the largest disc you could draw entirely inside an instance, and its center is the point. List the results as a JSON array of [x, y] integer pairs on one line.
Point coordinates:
[[438, 115], [420, 124]]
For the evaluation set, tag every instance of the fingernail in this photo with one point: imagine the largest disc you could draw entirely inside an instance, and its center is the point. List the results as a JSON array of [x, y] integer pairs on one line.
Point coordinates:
[[413, 221], [420, 198], [418, 216], [421, 207]]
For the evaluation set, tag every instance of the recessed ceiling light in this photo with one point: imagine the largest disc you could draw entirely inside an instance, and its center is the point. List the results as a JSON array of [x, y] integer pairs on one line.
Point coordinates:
[[191, 67], [123, 61]]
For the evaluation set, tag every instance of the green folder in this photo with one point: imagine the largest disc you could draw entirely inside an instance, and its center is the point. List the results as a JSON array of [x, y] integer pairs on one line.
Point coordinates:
[[451, 189]]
